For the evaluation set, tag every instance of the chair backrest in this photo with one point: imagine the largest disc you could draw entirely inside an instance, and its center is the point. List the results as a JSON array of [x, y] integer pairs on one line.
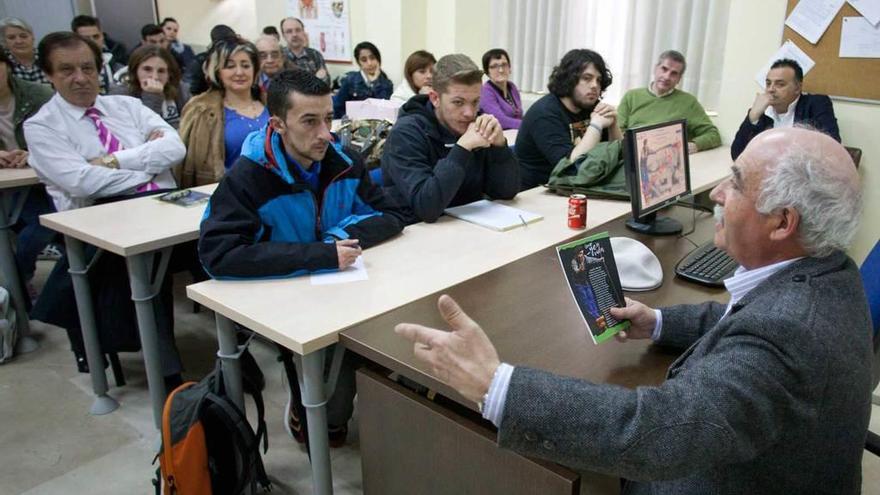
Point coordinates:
[[871, 279], [856, 154], [870, 271]]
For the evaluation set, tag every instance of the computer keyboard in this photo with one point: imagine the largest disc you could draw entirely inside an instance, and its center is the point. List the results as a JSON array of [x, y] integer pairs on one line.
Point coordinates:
[[706, 265]]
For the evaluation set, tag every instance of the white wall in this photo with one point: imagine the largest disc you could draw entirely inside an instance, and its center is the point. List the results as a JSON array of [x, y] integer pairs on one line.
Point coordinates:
[[197, 17], [753, 35]]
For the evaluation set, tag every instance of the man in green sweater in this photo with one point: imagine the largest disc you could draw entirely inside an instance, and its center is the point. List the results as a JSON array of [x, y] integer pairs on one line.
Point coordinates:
[[661, 102]]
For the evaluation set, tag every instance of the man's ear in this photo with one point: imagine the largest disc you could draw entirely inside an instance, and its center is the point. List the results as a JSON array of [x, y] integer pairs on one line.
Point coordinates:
[[787, 222], [434, 96], [277, 124]]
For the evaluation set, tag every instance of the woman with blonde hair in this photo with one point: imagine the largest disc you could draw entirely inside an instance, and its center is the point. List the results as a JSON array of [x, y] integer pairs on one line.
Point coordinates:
[[17, 38], [215, 123]]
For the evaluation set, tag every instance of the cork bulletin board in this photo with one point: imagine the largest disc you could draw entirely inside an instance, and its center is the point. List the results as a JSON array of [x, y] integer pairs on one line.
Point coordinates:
[[848, 78]]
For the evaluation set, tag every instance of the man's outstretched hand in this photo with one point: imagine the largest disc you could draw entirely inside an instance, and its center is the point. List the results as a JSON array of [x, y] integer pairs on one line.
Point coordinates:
[[463, 357]]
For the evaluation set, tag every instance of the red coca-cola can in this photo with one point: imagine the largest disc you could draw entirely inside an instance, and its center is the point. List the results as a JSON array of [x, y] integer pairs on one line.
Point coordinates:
[[577, 211]]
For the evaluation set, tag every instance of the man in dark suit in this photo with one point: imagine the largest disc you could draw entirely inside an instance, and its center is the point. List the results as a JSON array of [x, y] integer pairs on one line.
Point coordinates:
[[783, 105], [773, 392]]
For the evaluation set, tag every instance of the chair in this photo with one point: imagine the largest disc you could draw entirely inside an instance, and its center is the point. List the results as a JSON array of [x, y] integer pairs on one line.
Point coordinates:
[[855, 154], [870, 271], [376, 176]]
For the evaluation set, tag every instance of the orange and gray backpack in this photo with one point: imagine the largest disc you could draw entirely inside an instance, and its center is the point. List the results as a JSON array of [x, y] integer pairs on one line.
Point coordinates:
[[208, 446]]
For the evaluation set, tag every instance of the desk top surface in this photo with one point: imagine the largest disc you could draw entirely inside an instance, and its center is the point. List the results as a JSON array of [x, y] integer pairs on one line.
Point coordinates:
[[528, 312], [17, 177], [132, 226], [424, 259]]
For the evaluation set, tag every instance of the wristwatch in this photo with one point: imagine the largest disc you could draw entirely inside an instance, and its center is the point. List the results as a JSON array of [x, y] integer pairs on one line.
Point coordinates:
[[110, 161]]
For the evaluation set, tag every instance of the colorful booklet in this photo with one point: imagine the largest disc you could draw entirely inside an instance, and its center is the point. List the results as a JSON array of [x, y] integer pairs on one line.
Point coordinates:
[[591, 273], [184, 197]]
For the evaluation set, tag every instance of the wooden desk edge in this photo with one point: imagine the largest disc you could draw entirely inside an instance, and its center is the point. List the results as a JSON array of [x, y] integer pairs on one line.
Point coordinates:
[[302, 348]]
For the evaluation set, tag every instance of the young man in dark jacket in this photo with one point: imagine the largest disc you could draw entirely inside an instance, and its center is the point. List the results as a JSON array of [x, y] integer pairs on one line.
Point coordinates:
[[441, 153], [295, 203]]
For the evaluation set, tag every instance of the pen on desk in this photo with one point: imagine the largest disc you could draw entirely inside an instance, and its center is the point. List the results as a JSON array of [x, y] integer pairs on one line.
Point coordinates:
[[523, 220]]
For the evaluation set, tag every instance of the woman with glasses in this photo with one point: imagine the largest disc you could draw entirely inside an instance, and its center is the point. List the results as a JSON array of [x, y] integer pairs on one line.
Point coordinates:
[[499, 96]]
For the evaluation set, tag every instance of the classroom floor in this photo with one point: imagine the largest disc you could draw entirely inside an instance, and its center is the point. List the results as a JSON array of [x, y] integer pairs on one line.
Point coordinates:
[[49, 444]]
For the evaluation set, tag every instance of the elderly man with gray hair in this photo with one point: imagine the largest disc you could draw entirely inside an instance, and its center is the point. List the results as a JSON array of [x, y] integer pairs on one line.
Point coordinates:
[[773, 392], [661, 101], [17, 38]]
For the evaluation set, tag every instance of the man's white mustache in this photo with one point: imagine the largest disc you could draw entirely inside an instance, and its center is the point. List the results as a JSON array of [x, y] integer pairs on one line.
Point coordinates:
[[719, 214]]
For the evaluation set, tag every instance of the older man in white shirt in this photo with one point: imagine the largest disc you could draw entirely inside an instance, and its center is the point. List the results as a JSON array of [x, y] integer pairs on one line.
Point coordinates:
[[85, 147]]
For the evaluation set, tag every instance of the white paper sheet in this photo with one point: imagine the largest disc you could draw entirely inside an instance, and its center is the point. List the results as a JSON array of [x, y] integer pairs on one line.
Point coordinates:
[[810, 18], [495, 216], [868, 8], [859, 39], [787, 50], [354, 273]]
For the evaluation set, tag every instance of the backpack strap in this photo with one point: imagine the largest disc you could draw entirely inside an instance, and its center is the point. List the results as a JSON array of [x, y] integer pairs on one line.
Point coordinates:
[[235, 421]]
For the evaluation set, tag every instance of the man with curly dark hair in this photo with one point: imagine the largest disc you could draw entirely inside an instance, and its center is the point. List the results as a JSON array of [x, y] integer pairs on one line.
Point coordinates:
[[570, 120]]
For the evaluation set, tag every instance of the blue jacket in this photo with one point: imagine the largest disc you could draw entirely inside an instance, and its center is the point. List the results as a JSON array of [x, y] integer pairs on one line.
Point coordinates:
[[354, 88], [263, 220], [815, 110]]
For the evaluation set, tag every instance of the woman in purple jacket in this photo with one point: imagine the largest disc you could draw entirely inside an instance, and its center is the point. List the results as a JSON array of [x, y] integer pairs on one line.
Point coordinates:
[[499, 95]]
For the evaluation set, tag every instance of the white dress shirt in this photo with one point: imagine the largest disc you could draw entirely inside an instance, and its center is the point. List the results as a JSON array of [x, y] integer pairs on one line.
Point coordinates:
[[740, 284], [781, 120], [62, 140]]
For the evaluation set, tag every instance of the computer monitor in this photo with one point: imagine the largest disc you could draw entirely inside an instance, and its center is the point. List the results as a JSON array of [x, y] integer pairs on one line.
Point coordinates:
[[658, 174]]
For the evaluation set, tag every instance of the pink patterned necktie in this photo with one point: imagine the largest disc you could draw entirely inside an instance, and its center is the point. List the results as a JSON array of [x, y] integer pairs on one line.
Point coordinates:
[[111, 144]]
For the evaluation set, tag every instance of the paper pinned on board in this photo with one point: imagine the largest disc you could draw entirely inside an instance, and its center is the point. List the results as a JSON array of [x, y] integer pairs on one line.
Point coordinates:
[[354, 273], [859, 39], [810, 18], [787, 50], [868, 8]]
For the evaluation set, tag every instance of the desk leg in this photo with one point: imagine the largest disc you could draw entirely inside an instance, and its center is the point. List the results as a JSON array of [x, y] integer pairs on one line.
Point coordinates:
[[79, 273], [143, 291], [314, 397], [9, 213], [229, 354]]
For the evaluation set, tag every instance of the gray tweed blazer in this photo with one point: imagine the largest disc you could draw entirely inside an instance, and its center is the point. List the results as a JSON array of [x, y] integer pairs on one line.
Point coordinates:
[[774, 398]]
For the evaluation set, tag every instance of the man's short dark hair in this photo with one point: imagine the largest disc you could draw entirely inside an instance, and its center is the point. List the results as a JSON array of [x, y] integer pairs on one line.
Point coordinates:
[[281, 24], [675, 56], [272, 31], [793, 65], [150, 30], [167, 20], [64, 39], [493, 54], [566, 75], [292, 81], [84, 21], [221, 31]]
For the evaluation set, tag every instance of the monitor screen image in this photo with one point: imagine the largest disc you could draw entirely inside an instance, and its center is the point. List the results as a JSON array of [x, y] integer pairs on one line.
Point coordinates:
[[661, 165], [658, 174]]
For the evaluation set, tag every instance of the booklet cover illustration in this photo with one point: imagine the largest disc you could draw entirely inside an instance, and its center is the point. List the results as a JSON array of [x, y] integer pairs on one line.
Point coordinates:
[[184, 197], [591, 273]]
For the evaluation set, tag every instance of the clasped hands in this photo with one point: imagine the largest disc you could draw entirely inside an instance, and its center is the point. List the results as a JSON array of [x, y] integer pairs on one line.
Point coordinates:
[[464, 358], [13, 159], [484, 132]]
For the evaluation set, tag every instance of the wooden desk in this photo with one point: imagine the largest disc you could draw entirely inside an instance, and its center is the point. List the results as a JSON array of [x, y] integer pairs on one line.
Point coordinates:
[[425, 259], [136, 229], [527, 310], [14, 186]]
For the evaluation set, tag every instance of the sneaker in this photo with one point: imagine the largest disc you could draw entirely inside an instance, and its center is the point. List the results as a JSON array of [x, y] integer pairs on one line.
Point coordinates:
[[50, 253], [293, 411], [337, 435]]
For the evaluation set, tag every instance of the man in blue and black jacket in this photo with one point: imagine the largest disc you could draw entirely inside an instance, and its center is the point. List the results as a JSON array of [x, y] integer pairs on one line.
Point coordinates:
[[295, 203]]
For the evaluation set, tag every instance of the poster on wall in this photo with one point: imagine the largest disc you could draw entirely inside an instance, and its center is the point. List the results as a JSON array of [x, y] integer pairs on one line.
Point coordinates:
[[327, 26]]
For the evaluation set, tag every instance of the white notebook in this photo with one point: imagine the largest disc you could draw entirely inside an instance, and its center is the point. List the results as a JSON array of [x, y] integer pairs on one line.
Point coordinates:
[[494, 216]]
